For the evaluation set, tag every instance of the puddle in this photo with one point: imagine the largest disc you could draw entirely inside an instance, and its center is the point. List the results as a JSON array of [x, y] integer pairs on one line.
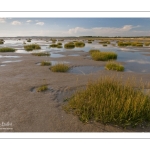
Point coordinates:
[[11, 61], [56, 55], [2, 65], [74, 55], [85, 69], [54, 62], [9, 56]]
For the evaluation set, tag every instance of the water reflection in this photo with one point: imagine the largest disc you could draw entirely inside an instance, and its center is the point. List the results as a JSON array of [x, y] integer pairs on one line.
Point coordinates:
[[133, 57]]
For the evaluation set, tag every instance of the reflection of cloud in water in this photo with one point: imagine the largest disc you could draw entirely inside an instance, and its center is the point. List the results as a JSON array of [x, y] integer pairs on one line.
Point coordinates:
[[126, 49], [139, 61], [11, 61]]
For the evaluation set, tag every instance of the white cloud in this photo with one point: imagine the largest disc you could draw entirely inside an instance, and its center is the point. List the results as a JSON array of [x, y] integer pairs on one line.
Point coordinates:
[[16, 23], [2, 20], [102, 31], [40, 23], [29, 21]]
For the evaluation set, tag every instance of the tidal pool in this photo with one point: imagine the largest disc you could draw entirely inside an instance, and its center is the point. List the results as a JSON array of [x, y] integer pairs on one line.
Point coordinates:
[[133, 57]]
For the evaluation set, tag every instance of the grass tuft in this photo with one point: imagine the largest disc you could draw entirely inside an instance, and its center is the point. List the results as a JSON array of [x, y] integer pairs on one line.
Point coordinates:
[[94, 50], [45, 63], [103, 56], [109, 101], [31, 47], [69, 45], [59, 68], [112, 65], [79, 44], [42, 88], [7, 49]]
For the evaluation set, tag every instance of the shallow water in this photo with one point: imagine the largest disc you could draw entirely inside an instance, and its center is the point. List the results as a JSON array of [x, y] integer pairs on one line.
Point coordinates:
[[11, 61], [133, 57]]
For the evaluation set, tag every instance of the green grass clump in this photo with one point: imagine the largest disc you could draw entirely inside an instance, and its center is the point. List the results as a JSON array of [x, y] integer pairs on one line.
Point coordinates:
[[45, 63], [41, 54], [42, 88], [59, 43], [69, 45], [59, 46], [136, 44], [89, 42], [31, 47], [53, 45], [103, 56], [1, 42], [109, 101], [112, 65], [79, 44], [104, 44], [59, 68], [147, 43], [94, 50], [7, 49], [28, 40]]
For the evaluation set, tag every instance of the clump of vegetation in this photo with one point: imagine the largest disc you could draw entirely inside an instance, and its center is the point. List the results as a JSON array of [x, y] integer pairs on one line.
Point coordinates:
[[79, 44], [123, 44], [59, 43], [45, 63], [104, 44], [28, 40], [69, 45], [24, 42], [112, 65], [31, 47], [53, 40], [103, 56], [7, 49], [90, 41], [59, 46], [1, 41], [109, 101], [59, 68], [53, 45], [42, 88], [41, 54], [94, 50], [147, 43]]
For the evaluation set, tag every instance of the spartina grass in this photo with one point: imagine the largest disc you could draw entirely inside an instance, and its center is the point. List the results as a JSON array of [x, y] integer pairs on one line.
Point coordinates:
[[69, 45], [103, 56], [60, 67], [42, 88], [7, 49], [113, 65], [31, 47], [109, 100], [45, 63], [93, 50]]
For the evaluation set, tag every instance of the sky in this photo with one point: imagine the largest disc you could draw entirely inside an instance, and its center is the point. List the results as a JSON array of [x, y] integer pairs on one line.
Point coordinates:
[[11, 27]]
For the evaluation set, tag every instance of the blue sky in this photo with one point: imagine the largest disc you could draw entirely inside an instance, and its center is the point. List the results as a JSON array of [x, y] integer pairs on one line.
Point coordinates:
[[74, 27]]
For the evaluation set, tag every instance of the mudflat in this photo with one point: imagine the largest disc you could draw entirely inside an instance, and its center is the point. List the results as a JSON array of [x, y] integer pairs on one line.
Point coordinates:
[[32, 111]]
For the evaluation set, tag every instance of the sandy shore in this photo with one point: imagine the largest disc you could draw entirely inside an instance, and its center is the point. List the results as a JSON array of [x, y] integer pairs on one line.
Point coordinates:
[[31, 111]]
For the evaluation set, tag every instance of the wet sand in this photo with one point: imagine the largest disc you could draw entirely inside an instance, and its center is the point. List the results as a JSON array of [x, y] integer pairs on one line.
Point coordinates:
[[31, 111]]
